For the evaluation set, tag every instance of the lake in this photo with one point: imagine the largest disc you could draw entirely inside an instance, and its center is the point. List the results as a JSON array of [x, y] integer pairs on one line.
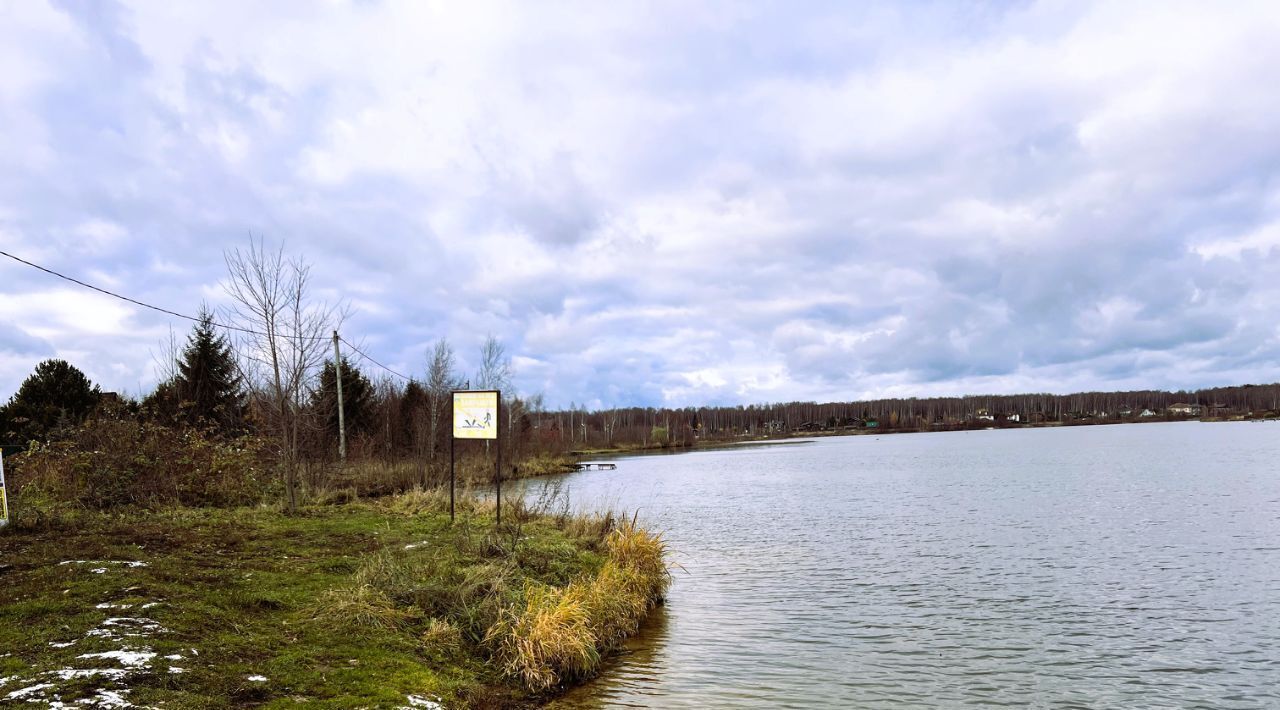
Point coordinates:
[[1084, 567]]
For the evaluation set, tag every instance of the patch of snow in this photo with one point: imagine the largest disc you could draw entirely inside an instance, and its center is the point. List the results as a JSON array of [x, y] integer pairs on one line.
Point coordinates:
[[149, 605], [99, 570], [105, 605], [173, 657], [69, 673], [64, 644], [417, 701], [126, 563], [256, 679], [140, 627], [27, 692], [128, 659], [110, 699], [416, 545], [175, 669]]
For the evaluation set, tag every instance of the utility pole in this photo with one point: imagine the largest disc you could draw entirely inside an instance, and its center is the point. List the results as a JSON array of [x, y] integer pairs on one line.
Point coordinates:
[[342, 424]]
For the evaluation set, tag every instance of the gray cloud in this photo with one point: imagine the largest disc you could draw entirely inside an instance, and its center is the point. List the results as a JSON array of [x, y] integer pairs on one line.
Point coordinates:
[[665, 204]]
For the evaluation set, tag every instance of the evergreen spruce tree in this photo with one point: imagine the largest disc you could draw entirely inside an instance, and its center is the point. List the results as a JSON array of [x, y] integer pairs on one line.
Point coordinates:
[[56, 394], [413, 417], [208, 385], [357, 399]]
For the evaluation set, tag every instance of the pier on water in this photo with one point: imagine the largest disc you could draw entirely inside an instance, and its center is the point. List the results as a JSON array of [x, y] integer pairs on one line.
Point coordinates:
[[593, 466]]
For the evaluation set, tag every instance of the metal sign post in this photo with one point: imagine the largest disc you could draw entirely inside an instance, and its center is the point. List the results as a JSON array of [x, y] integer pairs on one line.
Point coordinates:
[[476, 415], [4, 501]]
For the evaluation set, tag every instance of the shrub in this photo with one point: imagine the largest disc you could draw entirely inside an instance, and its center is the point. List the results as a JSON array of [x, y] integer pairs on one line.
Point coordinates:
[[35, 508], [111, 462]]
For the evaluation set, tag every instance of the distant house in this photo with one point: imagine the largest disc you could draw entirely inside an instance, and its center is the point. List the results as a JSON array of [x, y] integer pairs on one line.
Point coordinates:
[[1183, 409], [1147, 413], [984, 415], [1013, 417]]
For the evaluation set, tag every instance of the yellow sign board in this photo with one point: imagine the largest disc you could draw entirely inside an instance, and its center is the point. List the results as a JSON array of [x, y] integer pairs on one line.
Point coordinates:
[[475, 415], [4, 502]]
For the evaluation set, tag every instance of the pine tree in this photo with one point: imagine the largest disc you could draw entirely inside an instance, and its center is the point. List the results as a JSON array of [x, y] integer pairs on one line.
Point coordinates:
[[208, 385], [56, 394], [357, 399]]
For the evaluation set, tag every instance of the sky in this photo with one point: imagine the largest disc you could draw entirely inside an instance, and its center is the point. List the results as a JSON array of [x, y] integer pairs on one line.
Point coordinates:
[[662, 203]]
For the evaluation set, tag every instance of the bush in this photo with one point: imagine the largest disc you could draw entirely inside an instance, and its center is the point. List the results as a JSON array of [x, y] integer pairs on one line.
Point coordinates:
[[111, 462], [34, 508]]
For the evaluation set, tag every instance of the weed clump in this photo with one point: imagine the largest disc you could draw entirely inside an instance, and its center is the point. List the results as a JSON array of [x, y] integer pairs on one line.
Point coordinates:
[[441, 636], [558, 634], [360, 606]]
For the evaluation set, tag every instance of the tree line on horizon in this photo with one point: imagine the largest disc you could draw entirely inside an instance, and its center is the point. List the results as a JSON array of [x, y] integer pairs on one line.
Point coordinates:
[[272, 376], [205, 388], [649, 426]]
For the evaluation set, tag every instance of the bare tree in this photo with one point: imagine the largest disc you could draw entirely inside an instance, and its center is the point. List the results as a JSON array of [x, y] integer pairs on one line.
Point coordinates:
[[165, 363], [495, 374], [286, 339], [495, 366], [442, 379]]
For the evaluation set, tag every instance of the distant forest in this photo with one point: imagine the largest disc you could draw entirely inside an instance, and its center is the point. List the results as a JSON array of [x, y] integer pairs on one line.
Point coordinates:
[[649, 427]]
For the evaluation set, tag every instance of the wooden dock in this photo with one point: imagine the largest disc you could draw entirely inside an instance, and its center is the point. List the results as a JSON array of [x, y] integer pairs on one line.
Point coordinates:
[[591, 466]]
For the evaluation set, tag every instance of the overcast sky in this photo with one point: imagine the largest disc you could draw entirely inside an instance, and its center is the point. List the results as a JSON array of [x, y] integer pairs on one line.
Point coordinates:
[[663, 203]]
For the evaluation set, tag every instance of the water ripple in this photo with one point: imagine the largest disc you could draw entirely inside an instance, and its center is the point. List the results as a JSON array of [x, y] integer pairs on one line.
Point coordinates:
[[1090, 567]]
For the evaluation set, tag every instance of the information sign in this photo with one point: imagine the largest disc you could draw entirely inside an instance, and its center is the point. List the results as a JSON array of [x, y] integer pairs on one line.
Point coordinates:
[[475, 415]]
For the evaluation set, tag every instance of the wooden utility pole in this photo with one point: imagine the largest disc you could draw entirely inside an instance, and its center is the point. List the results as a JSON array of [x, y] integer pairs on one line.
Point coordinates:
[[342, 424]]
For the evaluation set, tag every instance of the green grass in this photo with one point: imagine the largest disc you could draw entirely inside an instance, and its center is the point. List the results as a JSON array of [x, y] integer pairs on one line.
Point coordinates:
[[328, 605]]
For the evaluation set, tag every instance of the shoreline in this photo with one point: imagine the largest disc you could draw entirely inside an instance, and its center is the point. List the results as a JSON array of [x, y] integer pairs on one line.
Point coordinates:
[[380, 603]]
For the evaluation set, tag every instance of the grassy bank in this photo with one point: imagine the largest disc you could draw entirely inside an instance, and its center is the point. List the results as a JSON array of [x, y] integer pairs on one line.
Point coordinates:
[[381, 604]]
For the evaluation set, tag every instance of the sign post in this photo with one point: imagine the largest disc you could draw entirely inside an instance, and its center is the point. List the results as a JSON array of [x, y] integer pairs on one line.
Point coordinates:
[[4, 501], [475, 416]]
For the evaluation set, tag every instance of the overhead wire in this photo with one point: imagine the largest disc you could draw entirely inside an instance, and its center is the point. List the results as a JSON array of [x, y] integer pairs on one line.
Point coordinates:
[[368, 357], [176, 314]]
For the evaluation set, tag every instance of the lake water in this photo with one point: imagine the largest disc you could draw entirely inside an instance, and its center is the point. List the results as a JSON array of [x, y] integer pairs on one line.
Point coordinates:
[[1087, 567]]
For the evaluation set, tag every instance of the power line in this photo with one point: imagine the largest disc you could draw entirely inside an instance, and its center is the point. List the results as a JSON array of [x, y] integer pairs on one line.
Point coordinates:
[[362, 354], [104, 291], [166, 311], [136, 302]]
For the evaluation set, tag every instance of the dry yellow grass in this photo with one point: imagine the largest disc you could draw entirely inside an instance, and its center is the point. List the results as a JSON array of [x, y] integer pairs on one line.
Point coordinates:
[[643, 552], [547, 640], [559, 633], [360, 606]]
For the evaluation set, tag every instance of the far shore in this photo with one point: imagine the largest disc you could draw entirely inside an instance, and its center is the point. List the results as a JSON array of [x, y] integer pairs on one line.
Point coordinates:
[[800, 436]]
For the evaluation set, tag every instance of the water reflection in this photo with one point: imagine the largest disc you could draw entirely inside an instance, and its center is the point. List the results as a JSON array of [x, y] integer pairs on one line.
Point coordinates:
[[628, 678], [1123, 566]]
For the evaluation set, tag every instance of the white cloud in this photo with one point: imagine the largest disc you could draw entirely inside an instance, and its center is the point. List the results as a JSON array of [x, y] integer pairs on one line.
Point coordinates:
[[663, 203]]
